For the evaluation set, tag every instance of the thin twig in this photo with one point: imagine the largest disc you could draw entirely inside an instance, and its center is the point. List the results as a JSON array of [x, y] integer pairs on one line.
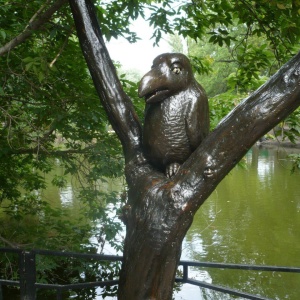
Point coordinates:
[[61, 49], [36, 14], [5, 241]]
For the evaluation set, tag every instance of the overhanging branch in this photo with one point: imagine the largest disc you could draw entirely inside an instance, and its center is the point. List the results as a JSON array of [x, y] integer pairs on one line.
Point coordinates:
[[38, 20]]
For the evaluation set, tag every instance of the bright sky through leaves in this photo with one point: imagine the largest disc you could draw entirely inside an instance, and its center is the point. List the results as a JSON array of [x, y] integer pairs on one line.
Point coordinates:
[[138, 56]]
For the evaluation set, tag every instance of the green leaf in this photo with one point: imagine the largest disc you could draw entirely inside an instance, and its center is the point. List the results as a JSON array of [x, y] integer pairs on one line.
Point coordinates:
[[28, 66], [281, 6], [41, 76], [3, 34]]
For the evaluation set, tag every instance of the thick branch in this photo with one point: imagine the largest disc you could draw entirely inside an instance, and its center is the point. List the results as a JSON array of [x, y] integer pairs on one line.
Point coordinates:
[[35, 23], [235, 135], [117, 104]]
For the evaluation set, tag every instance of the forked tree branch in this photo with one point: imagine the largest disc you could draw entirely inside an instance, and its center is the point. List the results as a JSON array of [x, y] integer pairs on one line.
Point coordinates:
[[219, 152]]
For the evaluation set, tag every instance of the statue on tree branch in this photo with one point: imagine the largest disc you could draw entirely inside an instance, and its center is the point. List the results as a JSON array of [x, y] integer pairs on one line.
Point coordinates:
[[176, 114], [160, 211]]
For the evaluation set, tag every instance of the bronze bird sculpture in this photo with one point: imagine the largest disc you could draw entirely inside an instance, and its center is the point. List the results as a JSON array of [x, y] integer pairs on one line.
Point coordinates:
[[176, 112]]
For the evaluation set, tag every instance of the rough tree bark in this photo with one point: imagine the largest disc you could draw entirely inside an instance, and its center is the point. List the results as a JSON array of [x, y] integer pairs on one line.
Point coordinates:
[[159, 210]]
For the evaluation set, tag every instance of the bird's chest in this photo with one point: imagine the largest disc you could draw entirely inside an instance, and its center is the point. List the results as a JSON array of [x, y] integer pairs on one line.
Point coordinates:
[[166, 120], [165, 138]]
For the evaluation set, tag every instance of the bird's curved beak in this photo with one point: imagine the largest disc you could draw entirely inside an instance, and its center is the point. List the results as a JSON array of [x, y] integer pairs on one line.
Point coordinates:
[[152, 87]]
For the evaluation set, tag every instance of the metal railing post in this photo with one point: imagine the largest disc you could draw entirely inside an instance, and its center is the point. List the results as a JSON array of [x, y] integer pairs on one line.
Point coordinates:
[[1, 295], [185, 272], [27, 275]]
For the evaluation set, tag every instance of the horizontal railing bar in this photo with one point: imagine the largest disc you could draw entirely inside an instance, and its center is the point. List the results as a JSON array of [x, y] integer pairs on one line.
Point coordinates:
[[9, 282], [185, 263], [79, 255], [13, 250], [239, 266], [76, 285], [182, 262], [225, 290]]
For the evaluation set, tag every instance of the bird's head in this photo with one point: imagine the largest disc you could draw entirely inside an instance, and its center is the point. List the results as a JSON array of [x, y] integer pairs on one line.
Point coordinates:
[[170, 74]]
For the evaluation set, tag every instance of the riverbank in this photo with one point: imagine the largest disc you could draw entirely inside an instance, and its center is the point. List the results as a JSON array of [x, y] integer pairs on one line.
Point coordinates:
[[278, 143]]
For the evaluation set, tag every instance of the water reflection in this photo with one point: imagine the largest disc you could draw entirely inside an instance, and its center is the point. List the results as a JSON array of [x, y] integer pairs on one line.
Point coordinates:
[[252, 217]]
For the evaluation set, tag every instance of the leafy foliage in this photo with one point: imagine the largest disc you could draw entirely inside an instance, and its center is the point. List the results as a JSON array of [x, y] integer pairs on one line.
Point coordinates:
[[289, 128], [295, 158], [221, 105]]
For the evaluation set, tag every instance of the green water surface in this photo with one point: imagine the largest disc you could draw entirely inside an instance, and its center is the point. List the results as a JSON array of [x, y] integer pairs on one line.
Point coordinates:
[[253, 217]]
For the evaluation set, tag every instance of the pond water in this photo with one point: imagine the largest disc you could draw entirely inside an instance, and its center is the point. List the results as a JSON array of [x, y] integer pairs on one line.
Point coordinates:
[[253, 217]]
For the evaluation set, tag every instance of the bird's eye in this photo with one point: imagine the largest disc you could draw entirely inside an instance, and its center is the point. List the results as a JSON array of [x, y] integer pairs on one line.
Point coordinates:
[[176, 70]]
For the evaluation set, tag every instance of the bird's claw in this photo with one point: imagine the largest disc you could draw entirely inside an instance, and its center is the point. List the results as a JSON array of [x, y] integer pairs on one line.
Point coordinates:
[[172, 169]]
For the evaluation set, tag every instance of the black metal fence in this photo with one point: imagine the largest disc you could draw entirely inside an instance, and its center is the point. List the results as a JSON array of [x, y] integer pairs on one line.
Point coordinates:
[[28, 285]]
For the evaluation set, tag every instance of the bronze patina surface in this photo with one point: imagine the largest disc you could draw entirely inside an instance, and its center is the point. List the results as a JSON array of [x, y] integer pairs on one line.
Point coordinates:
[[176, 113]]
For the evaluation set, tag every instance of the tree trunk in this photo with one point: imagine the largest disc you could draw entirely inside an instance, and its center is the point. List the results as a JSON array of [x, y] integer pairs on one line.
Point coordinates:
[[155, 228], [160, 210]]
